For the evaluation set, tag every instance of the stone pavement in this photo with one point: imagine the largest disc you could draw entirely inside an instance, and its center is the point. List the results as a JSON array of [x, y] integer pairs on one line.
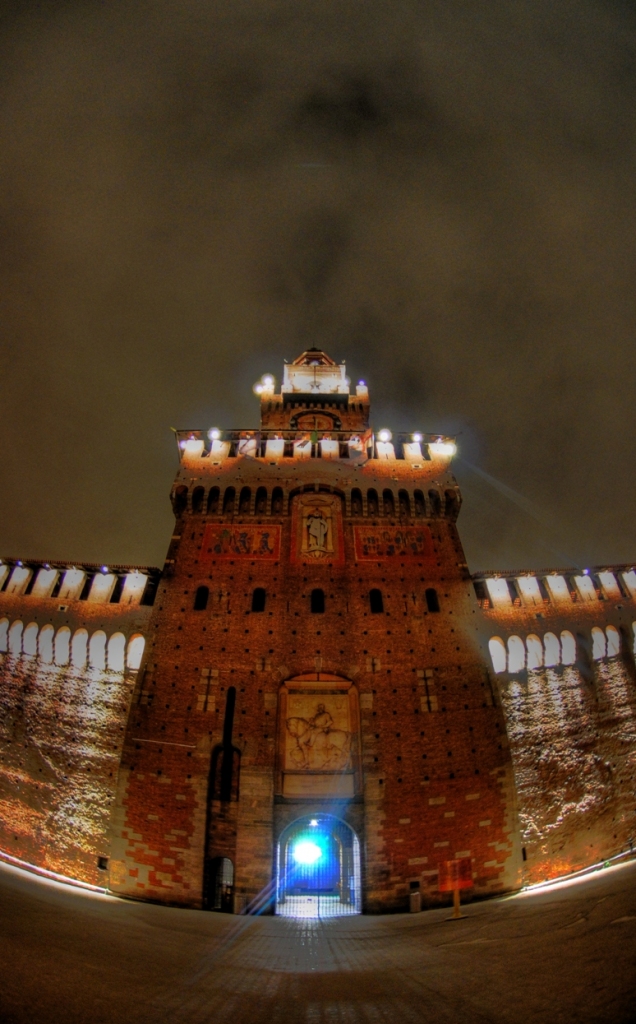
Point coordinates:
[[564, 954]]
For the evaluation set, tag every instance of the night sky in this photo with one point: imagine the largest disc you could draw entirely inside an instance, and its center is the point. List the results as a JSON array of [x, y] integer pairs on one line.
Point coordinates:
[[441, 193]]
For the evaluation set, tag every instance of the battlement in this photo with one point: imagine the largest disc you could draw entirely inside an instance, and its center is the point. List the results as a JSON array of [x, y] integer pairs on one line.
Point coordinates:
[[273, 446], [86, 581], [508, 589]]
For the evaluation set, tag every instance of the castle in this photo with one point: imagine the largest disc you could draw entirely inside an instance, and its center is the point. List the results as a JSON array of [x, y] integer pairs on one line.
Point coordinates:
[[314, 699]]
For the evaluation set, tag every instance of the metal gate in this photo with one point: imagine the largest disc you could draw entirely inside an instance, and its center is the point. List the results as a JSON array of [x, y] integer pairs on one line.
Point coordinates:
[[318, 870]]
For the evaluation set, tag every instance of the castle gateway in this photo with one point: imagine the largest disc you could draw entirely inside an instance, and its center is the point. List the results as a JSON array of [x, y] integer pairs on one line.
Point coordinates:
[[313, 707]]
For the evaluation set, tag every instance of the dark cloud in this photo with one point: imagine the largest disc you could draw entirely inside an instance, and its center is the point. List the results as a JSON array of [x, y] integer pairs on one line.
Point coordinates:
[[442, 194]]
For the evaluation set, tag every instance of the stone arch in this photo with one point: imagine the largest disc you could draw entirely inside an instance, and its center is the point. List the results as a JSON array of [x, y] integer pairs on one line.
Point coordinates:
[[373, 505], [356, 502], [260, 505], [30, 640], [534, 648], [116, 652], [319, 871], [45, 643], [15, 638], [4, 635], [568, 648], [497, 650], [404, 503], [599, 643], [451, 504], [79, 648], [516, 655], [97, 650], [419, 502], [552, 649], [613, 642], [63, 646], [277, 501], [135, 651]]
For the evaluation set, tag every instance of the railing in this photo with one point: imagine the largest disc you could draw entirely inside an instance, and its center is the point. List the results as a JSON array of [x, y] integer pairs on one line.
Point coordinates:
[[272, 445]]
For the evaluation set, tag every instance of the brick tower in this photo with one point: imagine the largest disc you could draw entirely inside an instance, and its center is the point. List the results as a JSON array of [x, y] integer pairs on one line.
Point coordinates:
[[314, 685]]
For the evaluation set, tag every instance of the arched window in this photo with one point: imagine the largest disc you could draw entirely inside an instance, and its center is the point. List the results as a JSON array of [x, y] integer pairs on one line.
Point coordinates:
[[180, 500], [633, 631], [373, 506], [277, 501], [436, 502], [201, 599], [135, 651], [229, 499], [497, 650], [198, 495], [79, 648], [45, 643], [258, 599], [375, 601], [516, 654], [389, 502], [356, 502], [30, 640], [15, 639], [116, 651], [535, 652], [598, 643], [405, 503], [613, 642], [244, 501], [317, 601], [420, 504], [213, 501], [452, 504], [552, 650], [432, 600], [97, 650], [4, 635], [568, 648], [260, 506], [63, 646]]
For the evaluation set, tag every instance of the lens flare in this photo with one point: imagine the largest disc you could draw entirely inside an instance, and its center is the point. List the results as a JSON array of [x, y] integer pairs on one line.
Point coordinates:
[[307, 852]]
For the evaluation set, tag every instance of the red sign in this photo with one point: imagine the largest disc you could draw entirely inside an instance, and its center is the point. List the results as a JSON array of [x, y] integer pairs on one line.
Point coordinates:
[[455, 874], [220, 541], [376, 542]]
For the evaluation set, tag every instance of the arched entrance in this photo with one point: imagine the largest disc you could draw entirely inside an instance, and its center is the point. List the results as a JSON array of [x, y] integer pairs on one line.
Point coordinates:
[[318, 869]]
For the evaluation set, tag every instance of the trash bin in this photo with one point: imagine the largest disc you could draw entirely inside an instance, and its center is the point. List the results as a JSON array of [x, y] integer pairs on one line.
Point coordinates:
[[415, 902]]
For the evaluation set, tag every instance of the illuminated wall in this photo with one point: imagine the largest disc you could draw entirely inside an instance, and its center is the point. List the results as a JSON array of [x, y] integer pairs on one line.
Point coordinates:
[[561, 648], [67, 671]]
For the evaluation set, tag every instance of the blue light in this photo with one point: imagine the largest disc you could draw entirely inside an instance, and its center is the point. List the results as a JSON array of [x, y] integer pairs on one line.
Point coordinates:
[[306, 852]]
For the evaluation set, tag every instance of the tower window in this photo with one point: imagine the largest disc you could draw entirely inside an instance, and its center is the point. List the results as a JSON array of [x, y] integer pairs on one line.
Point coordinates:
[[260, 506], [244, 501], [213, 501], [277, 501], [201, 599], [180, 500], [356, 502], [376, 602], [436, 502], [389, 503], [197, 499], [318, 601], [258, 600], [405, 504], [432, 600], [420, 504], [372, 502], [228, 501]]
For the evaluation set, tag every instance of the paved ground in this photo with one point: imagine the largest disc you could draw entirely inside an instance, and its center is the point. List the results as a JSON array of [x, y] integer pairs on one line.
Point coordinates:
[[566, 954]]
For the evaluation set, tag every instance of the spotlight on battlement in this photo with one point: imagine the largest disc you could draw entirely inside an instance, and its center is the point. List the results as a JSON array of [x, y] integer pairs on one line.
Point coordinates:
[[439, 447], [265, 386], [417, 438], [385, 435], [214, 434]]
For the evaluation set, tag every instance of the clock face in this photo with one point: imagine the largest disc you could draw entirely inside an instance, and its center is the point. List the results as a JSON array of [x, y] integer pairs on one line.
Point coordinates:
[[315, 421]]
